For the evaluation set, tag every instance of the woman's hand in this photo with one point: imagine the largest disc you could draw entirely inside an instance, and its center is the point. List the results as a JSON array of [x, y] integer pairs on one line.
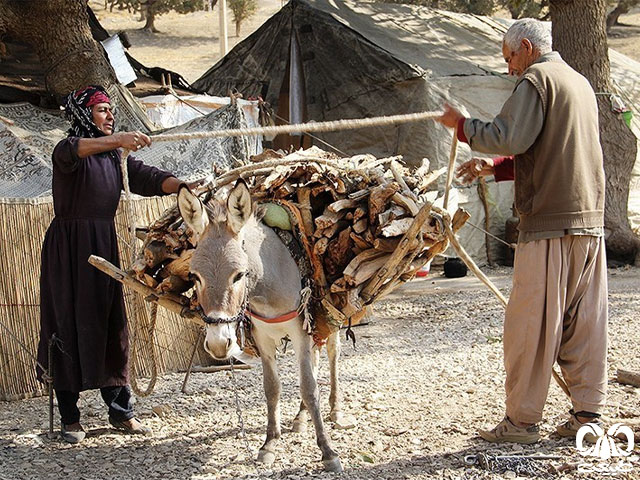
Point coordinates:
[[474, 168], [133, 141]]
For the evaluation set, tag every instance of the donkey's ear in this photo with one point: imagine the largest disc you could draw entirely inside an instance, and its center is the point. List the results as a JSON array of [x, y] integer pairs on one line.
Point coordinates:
[[192, 210], [238, 206]]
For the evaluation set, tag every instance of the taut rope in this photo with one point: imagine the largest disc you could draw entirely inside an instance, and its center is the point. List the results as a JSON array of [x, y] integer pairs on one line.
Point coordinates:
[[350, 124]]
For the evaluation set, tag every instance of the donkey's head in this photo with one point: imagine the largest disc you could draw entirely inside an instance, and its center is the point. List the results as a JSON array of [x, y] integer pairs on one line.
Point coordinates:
[[220, 264]]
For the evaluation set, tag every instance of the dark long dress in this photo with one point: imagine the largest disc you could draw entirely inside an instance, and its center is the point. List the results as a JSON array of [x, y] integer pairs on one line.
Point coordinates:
[[82, 305]]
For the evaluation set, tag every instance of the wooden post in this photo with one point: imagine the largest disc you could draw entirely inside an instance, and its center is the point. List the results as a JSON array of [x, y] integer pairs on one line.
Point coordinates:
[[452, 165], [224, 34]]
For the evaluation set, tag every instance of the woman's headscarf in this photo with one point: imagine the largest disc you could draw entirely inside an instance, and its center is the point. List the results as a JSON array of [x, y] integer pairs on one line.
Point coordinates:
[[78, 110]]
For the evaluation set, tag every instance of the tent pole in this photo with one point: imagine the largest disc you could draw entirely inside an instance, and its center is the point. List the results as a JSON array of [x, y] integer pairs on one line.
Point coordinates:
[[224, 34]]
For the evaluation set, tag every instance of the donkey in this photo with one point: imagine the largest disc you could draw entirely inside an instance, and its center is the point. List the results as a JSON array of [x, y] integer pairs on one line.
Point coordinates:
[[240, 264]]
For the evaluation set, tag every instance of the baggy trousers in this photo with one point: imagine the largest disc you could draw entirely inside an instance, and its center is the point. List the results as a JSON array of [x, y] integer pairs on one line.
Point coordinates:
[[557, 311], [117, 398]]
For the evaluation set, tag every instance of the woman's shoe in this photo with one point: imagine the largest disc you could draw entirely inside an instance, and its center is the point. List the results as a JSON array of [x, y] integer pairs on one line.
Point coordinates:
[[73, 433]]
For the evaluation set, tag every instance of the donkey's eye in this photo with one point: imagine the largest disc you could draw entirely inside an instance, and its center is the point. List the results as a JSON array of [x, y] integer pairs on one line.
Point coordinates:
[[239, 276]]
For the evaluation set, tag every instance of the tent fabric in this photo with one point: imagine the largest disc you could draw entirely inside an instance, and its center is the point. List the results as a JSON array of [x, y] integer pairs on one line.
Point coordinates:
[[364, 59], [168, 111]]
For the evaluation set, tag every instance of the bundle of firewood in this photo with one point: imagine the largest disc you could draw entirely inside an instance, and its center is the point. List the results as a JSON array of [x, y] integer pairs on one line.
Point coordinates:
[[367, 224]]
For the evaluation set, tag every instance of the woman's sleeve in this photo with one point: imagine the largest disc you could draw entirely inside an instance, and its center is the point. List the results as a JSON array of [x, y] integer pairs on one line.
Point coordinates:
[[65, 155], [144, 179]]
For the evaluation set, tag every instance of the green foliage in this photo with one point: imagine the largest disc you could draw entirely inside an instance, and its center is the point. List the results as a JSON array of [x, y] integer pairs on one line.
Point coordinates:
[[158, 7], [526, 8], [242, 10]]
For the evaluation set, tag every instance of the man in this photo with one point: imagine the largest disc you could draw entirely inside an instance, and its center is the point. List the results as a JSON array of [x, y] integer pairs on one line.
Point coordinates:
[[558, 305], [82, 306]]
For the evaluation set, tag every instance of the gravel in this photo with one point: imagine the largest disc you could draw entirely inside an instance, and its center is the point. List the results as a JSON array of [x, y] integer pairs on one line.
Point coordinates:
[[425, 375]]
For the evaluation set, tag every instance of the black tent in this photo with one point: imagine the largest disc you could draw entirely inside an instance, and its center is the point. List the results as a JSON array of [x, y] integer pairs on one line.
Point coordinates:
[[310, 66]]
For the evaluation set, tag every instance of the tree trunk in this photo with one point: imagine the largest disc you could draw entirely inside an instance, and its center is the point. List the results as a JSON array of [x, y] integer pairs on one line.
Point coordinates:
[[150, 19], [624, 6], [58, 31], [579, 34], [612, 18], [238, 25]]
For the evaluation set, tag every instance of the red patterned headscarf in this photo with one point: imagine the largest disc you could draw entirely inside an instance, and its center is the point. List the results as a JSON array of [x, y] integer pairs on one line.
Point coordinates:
[[78, 110]]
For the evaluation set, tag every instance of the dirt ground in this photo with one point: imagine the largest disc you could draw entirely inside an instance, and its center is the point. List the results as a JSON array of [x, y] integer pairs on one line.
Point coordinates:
[[425, 376]]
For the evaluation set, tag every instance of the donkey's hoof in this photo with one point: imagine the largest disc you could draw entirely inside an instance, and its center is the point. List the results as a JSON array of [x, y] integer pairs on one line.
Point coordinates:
[[299, 426], [332, 465], [266, 457]]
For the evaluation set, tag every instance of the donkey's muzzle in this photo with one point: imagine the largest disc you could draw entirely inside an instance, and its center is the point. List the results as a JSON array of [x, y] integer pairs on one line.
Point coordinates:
[[219, 350]]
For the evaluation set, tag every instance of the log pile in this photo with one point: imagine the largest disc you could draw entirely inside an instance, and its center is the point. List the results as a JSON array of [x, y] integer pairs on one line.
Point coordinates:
[[367, 223]]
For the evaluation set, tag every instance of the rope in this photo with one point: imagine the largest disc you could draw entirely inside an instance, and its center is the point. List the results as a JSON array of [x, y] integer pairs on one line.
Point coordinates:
[[350, 124], [318, 139], [512, 246]]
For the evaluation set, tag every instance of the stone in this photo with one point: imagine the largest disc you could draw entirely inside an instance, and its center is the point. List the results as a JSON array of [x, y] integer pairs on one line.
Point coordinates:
[[162, 411]]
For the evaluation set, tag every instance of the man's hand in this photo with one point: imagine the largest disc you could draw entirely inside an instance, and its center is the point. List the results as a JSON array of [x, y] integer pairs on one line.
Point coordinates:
[[133, 141], [450, 117], [474, 168]]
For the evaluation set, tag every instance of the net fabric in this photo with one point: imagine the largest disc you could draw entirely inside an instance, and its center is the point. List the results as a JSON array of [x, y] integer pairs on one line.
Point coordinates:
[[31, 133]]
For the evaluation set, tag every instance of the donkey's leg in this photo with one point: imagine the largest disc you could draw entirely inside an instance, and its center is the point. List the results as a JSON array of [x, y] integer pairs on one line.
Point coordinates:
[[271, 382], [309, 392], [300, 422], [335, 399]]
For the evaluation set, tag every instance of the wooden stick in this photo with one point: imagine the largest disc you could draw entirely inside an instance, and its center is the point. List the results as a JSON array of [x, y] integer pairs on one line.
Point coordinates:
[[304, 199], [483, 193], [462, 253], [149, 293], [193, 355], [480, 274], [219, 368], [388, 269], [452, 164], [395, 169]]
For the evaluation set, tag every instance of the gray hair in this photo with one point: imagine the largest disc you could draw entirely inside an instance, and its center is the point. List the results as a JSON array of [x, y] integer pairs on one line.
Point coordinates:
[[537, 32]]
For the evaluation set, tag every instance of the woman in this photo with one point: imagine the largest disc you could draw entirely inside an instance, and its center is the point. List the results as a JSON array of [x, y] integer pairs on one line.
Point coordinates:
[[82, 306]]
